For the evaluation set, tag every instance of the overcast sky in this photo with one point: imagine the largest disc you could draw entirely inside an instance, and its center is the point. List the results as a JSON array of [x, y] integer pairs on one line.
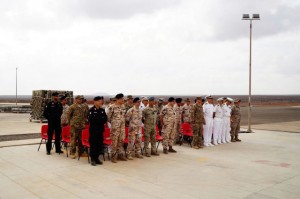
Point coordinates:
[[172, 47]]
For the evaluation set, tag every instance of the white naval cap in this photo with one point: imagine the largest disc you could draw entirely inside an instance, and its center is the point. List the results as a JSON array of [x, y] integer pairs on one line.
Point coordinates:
[[229, 99], [220, 99], [145, 99]]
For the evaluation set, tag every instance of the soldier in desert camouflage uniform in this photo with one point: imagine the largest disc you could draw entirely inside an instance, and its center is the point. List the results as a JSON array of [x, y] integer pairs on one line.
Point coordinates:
[[197, 122], [235, 121], [128, 105], [149, 116], [86, 109], [167, 118], [159, 106], [134, 117], [129, 102], [116, 116], [178, 121], [77, 122], [186, 109], [63, 118]]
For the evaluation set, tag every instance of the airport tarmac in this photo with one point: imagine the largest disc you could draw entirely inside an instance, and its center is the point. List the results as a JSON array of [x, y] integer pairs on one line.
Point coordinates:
[[265, 165]]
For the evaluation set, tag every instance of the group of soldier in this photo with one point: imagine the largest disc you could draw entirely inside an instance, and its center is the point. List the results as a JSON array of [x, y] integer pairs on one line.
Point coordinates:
[[211, 125]]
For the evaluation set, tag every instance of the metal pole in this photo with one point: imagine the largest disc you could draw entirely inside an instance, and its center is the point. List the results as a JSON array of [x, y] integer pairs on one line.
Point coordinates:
[[250, 71], [17, 86]]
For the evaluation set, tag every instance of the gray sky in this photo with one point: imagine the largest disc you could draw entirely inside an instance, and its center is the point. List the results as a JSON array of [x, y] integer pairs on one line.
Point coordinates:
[[181, 47]]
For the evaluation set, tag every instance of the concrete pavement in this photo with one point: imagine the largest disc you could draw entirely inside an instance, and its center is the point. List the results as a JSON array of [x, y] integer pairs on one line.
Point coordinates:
[[265, 165]]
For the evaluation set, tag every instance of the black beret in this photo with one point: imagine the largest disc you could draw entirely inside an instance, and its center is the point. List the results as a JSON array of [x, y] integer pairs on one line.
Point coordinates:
[[119, 96], [55, 94], [98, 98], [151, 98], [136, 100], [63, 97], [178, 100], [171, 99]]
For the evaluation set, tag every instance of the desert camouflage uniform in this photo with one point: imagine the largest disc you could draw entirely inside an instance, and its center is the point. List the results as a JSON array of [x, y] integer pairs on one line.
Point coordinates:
[[63, 118], [134, 116], [77, 123], [178, 116], [128, 106], [235, 121], [159, 125], [116, 116], [197, 121], [168, 129], [186, 113], [86, 110], [150, 116]]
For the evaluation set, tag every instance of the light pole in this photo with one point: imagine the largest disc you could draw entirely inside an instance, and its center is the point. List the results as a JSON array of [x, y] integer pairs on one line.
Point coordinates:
[[17, 86], [247, 17]]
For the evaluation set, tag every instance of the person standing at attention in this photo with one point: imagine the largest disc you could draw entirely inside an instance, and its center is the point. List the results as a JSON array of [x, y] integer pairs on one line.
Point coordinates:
[[97, 119], [52, 112]]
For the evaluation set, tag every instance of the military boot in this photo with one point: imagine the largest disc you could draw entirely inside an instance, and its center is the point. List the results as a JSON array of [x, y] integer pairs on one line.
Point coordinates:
[[154, 153], [98, 161], [232, 139], [237, 139], [129, 157], [147, 154], [165, 151], [172, 150], [114, 158], [139, 156], [121, 157]]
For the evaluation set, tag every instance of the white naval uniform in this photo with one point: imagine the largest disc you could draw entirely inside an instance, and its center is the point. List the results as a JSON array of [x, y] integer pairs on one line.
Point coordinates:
[[208, 110], [226, 123], [218, 124]]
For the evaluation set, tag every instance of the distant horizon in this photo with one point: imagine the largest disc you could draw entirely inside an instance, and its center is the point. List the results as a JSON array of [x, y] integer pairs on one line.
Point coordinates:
[[167, 95]]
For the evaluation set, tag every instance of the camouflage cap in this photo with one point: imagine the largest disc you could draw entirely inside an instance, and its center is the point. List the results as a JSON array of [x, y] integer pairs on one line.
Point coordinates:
[[198, 98], [187, 100], [129, 97], [79, 97]]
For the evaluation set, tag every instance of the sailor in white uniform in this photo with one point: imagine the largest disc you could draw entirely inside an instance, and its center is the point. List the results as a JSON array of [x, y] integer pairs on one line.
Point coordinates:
[[226, 120], [208, 109], [218, 122]]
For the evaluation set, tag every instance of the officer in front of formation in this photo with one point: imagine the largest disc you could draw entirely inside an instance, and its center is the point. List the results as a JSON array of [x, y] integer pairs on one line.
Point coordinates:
[[97, 118], [52, 113]]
